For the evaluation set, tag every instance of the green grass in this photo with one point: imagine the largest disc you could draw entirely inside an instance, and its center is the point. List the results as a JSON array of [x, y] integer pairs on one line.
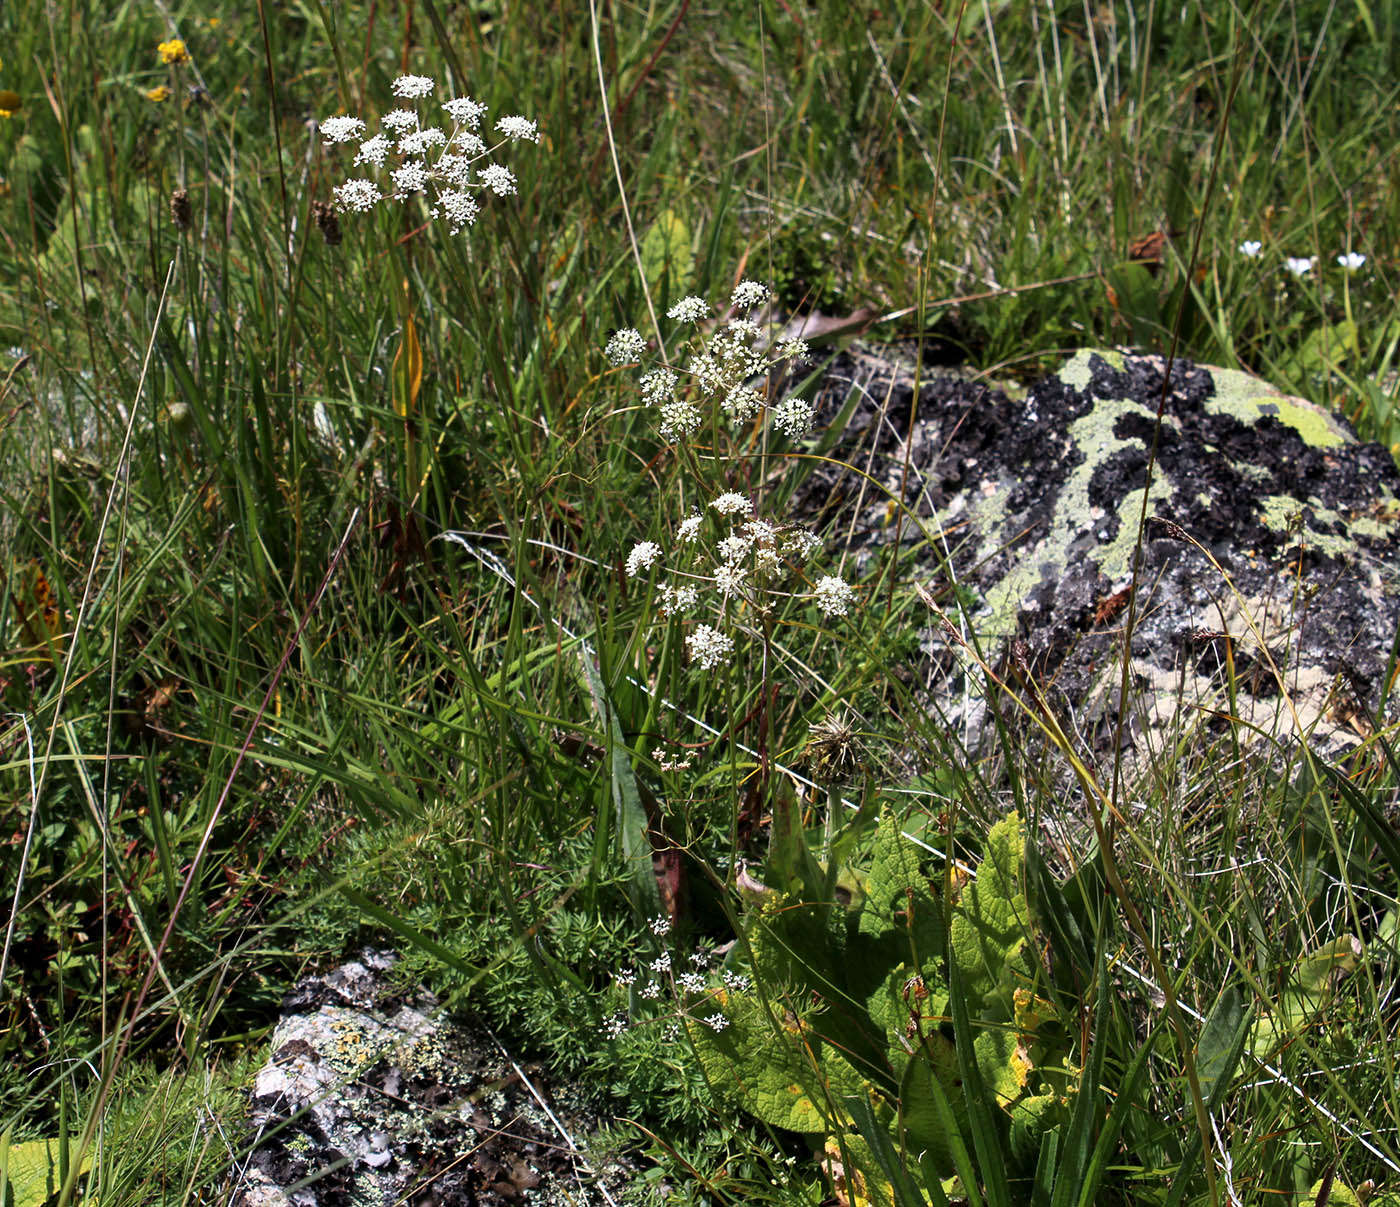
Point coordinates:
[[451, 746]]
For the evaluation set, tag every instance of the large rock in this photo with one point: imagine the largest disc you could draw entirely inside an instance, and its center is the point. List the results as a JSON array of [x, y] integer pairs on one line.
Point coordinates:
[[374, 1097], [1027, 505]]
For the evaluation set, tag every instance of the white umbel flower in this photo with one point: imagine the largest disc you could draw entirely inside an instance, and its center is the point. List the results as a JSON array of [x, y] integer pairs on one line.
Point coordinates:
[[833, 595], [464, 111], [341, 129], [709, 647], [409, 86], [644, 555], [732, 503], [359, 195], [517, 129], [625, 347], [689, 310], [748, 294]]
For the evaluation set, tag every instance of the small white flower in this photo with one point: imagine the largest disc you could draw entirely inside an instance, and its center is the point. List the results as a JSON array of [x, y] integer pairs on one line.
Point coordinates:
[[1300, 265], [458, 207], [373, 151], [700, 958], [679, 418], [412, 85], [469, 143], [675, 600], [341, 129], [409, 178], [626, 977], [742, 403], [399, 120], [742, 331], [793, 417], [455, 169], [517, 129], [732, 503], [793, 350], [465, 111], [833, 595], [419, 142], [625, 346], [736, 982], [661, 925], [662, 963], [799, 543], [671, 1032], [689, 529], [716, 1021], [733, 548], [760, 532], [709, 647], [692, 982], [360, 195], [615, 1026], [644, 555], [651, 991], [729, 580], [499, 180], [1351, 261], [748, 294], [706, 371], [657, 386], [689, 310], [1251, 248]]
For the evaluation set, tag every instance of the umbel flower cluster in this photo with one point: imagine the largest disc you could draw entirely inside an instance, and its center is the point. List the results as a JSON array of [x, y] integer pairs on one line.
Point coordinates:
[[449, 164], [726, 562], [722, 366]]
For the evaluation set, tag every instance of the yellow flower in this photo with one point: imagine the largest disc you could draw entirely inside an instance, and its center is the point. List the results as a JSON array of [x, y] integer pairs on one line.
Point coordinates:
[[158, 94], [10, 103], [173, 52]]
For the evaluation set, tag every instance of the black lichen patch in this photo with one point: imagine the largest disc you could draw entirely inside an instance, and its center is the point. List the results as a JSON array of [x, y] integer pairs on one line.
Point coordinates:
[[1028, 509]]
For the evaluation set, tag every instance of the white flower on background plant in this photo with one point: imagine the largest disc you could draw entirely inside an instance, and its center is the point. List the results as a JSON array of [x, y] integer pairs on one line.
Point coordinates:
[[1300, 266], [793, 417], [716, 1021], [517, 129], [625, 346], [1251, 248], [688, 310], [464, 111], [1351, 261], [709, 647], [399, 120], [614, 1027], [689, 529], [748, 294], [341, 129], [358, 195], [833, 595], [692, 982], [732, 503], [373, 152], [644, 556], [409, 86], [661, 925]]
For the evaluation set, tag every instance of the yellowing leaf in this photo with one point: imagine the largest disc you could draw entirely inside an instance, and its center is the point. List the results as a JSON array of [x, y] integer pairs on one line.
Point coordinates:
[[408, 370], [31, 1170]]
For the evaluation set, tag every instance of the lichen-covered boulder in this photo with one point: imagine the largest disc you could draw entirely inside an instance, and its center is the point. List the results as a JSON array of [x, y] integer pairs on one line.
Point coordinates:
[[374, 1097], [1272, 588]]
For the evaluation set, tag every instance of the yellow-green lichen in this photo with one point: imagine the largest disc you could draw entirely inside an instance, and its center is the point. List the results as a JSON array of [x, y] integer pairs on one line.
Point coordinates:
[[1248, 399]]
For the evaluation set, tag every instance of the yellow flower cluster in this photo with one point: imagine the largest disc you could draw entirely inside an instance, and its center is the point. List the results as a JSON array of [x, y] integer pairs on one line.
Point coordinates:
[[173, 52], [158, 94]]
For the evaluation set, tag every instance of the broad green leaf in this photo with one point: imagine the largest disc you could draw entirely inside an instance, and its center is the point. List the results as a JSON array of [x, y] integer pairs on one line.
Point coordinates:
[[989, 927], [666, 254], [31, 1170]]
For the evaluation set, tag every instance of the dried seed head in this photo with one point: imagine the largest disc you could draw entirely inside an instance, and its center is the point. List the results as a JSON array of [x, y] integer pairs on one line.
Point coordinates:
[[1168, 530], [832, 748], [327, 221], [180, 208]]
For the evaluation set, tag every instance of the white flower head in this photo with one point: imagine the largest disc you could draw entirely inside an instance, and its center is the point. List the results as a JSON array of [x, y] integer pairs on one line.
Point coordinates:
[[689, 529], [716, 1021], [651, 991], [680, 418], [661, 925], [614, 1027], [373, 151], [644, 555], [1351, 261], [409, 86], [793, 417], [458, 207], [678, 599], [1300, 265], [465, 111], [420, 142], [689, 310], [748, 294], [732, 503], [733, 548], [800, 543], [399, 120], [736, 982], [1251, 248], [625, 347], [657, 386], [729, 580], [662, 963], [833, 595], [341, 129], [517, 129], [469, 143], [359, 195], [499, 180], [742, 403], [409, 177], [692, 982], [709, 647], [795, 350]]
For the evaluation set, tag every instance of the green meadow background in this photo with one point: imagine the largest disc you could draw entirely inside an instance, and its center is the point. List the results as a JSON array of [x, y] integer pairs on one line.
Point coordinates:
[[258, 712]]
